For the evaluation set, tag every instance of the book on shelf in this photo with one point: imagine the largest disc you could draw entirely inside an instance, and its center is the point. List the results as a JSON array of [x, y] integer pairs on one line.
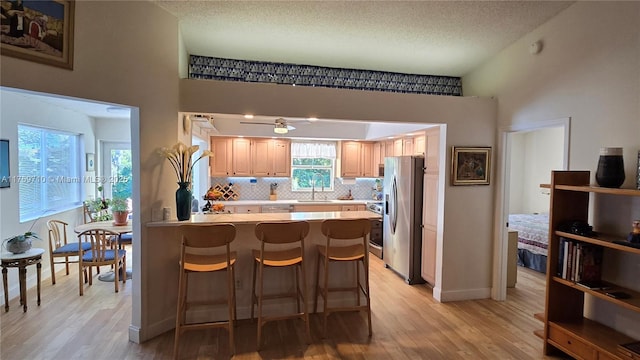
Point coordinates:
[[579, 262]]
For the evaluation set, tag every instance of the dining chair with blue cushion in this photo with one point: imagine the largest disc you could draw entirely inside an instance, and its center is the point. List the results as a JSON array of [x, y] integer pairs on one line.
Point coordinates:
[[60, 251], [103, 252]]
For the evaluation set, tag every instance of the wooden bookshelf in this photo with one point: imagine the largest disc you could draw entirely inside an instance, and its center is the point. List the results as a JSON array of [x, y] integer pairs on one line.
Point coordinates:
[[566, 329]]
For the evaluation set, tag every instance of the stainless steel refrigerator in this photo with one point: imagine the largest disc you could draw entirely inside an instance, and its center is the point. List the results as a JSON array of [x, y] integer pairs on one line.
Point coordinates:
[[402, 218]]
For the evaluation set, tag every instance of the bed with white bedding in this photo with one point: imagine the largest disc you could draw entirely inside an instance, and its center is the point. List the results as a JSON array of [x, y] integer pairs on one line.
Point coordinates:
[[533, 239]]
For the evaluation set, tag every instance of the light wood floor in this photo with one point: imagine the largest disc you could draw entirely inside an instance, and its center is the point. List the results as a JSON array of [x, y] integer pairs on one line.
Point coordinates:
[[407, 324]]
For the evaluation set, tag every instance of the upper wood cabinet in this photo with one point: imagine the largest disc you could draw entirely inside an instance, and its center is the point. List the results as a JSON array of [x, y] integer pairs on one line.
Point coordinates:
[[221, 161], [419, 145], [356, 159], [271, 157], [242, 157], [250, 157], [397, 147], [407, 146]]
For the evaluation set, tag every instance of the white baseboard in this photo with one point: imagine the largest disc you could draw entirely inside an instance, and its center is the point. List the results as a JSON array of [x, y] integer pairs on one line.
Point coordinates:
[[459, 295]]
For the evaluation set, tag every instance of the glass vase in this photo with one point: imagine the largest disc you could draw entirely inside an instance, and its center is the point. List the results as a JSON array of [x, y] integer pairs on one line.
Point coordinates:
[[610, 172], [183, 201]]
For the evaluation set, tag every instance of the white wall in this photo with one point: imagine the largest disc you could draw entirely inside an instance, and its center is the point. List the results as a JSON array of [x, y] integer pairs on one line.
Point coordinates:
[[470, 121], [124, 53], [588, 70], [533, 155], [18, 108]]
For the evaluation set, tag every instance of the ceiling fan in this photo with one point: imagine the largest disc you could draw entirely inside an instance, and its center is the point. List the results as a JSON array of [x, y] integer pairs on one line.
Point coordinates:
[[280, 125]]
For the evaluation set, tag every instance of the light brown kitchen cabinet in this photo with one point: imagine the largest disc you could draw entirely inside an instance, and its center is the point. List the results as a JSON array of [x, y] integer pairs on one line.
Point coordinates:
[[316, 208], [389, 148], [419, 145], [350, 156], [250, 157], [221, 162], [356, 159], [243, 209], [366, 159], [241, 157], [281, 157], [271, 157], [430, 208], [397, 147], [378, 155], [407, 146], [352, 208], [262, 157]]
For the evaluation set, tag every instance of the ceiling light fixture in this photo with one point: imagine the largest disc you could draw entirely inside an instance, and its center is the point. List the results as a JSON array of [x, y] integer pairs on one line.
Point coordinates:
[[248, 116], [280, 128]]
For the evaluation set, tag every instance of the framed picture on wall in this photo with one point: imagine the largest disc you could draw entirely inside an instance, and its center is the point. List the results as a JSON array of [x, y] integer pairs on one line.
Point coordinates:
[[91, 162], [40, 31], [470, 165], [5, 180]]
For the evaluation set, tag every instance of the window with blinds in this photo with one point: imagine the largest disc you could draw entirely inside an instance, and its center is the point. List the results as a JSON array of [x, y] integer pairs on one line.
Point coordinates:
[[48, 171]]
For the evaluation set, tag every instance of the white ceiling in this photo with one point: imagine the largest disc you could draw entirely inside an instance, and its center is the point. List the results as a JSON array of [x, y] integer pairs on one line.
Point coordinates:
[[418, 37]]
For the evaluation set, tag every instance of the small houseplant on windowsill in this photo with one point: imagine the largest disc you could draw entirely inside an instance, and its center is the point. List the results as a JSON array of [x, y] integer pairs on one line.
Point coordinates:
[[120, 210]]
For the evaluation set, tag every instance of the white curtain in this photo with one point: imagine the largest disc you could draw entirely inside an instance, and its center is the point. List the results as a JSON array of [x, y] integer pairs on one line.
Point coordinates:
[[313, 150]]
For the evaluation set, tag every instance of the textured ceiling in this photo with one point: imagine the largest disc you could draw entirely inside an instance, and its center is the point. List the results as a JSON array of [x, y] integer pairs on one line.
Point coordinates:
[[419, 37]]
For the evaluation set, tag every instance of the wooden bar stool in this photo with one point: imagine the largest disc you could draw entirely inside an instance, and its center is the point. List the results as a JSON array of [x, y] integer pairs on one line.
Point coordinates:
[[196, 256], [340, 230], [275, 234]]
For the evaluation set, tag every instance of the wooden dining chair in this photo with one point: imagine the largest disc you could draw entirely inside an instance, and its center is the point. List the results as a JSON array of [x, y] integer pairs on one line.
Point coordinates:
[[60, 250], [200, 253], [337, 233], [272, 236], [102, 252]]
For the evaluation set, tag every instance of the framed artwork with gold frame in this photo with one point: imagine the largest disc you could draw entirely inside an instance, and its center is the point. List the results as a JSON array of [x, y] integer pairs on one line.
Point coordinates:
[[40, 31], [470, 165]]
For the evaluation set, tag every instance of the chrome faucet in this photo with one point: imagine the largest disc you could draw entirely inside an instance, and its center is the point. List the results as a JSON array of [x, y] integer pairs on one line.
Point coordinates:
[[313, 185]]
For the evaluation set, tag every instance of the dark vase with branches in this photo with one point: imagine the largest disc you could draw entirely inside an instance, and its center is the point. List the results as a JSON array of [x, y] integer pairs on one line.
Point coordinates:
[[179, 157]]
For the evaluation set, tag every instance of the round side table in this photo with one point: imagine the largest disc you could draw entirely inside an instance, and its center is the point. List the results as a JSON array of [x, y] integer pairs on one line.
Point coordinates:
[[21, 261]]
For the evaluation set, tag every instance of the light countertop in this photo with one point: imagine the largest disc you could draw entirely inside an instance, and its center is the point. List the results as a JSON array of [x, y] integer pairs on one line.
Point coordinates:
[[291, 202], [254, 218]]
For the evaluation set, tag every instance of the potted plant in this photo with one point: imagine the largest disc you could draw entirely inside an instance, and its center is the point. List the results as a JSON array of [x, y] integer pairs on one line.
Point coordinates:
[[21, 243], [120, 210]]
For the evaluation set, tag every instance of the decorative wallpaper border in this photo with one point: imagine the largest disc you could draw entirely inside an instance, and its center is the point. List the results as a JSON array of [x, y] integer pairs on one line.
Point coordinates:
[[213, 68]]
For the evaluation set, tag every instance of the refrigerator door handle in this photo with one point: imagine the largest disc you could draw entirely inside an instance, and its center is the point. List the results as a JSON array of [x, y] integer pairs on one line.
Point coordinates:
[[393, 214]]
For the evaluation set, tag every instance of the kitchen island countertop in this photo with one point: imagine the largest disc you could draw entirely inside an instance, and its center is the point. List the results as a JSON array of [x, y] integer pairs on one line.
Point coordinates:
[[254, 218]]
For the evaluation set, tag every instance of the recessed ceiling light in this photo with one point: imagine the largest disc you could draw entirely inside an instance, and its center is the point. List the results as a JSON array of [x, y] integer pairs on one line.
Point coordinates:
[[248, 116], [312, 118]]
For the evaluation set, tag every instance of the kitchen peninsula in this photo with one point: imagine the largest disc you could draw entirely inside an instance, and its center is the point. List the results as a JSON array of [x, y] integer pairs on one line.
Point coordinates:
[[166, 249]]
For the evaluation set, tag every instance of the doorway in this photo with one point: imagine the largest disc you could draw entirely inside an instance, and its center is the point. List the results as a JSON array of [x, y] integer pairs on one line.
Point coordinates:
[[529, 153], [117, 169]]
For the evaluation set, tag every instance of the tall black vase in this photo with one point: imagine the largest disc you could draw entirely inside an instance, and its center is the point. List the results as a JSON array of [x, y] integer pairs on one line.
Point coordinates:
[[183, 201], [610, 172]]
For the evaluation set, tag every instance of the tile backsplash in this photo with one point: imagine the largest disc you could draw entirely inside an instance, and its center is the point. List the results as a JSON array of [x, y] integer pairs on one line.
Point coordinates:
[[362, 189]]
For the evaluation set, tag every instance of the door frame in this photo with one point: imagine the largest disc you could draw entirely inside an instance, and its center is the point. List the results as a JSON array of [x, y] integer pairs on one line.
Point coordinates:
[[105, 162], [501, 235]]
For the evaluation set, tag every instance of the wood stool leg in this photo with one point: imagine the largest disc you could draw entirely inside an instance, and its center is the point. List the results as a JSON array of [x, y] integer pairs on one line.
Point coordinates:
[[253, 289], [6, 290], [325, 292], [39, 276], [357, 282], [260, 294], [304, 301], [315, 293], [365, 264], [295, 281], [230, 291], [179, 312]]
